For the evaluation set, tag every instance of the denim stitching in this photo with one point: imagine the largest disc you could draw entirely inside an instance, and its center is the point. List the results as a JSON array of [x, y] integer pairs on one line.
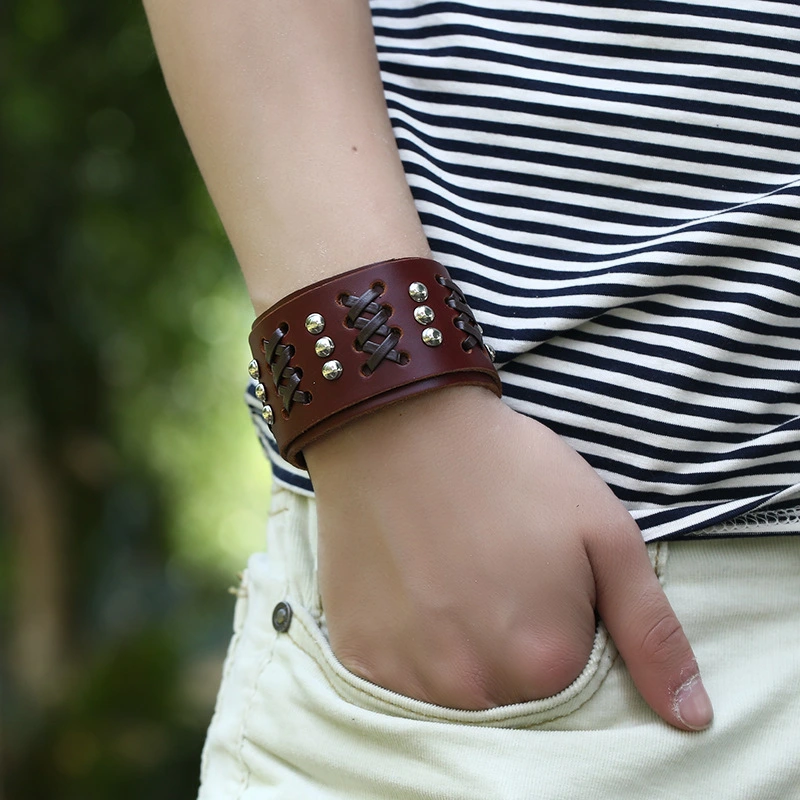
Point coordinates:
[[432, 717], [246, 774], [227, 668]]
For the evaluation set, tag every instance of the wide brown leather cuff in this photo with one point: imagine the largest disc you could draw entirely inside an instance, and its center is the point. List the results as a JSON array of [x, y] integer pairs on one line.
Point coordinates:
[[348, 345]]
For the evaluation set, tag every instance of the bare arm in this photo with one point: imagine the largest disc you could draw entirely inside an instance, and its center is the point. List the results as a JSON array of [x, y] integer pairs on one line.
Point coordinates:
[[282, 104], [488, 581]]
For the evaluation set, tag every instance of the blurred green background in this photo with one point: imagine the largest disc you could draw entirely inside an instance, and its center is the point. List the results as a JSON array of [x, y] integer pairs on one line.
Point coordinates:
[[132, 488]]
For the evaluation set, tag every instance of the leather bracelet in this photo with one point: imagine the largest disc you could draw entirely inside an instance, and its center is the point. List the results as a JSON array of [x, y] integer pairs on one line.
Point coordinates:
[[345, 346]]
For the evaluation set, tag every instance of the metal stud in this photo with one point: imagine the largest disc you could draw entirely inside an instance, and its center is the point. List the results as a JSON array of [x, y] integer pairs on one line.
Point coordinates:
[[424, 315], [252, 368], [331, 370], [282, 617], [315, 323], [432, 337], [261, 392], [418, 292], [269, 417], [490, 351], [324, 346]]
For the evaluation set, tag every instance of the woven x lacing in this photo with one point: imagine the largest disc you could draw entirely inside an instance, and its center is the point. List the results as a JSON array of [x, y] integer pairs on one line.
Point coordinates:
[[373, 326], [285, 377], [465, 321]]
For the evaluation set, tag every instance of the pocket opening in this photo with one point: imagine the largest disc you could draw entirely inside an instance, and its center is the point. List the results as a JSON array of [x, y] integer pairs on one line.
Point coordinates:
[[306, 636]]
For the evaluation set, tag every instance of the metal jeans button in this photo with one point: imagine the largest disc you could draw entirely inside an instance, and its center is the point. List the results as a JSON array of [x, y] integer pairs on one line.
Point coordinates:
[[282, 617]]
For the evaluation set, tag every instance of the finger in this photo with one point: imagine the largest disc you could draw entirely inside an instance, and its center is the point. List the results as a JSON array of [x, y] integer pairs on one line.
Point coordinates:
[[646, 631]]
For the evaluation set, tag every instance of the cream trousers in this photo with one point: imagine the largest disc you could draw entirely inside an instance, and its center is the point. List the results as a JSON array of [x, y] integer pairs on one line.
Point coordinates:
[[292, 723]]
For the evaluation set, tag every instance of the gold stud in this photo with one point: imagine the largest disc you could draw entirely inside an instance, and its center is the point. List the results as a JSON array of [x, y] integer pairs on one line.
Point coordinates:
[[261, 392], [252, 368], [490, 351], [269, 417]]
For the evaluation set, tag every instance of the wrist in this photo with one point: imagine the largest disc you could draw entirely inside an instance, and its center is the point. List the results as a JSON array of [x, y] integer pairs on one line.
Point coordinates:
[[405, 435], [347, 346]]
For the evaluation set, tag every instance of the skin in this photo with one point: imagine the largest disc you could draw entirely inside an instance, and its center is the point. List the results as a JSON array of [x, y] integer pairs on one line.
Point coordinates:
[[467, 582]]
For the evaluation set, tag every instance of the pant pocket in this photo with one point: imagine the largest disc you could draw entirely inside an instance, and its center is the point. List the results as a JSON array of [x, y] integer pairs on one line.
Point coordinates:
[[306, 637], [305, 645], [305, 642]]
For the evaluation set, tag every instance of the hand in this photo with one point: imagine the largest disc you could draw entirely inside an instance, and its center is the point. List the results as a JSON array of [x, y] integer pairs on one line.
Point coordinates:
[[463, 550]]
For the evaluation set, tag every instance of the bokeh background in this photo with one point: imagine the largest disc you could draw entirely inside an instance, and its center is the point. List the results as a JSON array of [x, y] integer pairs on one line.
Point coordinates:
[[132, 488]]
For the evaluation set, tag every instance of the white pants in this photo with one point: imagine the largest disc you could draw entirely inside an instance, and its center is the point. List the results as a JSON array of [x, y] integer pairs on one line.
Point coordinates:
[[292, 723]]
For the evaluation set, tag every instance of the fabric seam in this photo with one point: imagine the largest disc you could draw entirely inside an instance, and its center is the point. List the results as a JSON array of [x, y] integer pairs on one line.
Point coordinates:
[[246, 773], [430, 717]]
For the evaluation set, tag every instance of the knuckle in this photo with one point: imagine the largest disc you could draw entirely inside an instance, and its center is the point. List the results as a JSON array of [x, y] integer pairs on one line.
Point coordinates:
[[664, 639], [552, 664]]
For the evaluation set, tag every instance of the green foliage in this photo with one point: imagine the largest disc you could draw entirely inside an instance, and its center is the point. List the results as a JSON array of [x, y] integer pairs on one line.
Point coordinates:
[[131, 486]]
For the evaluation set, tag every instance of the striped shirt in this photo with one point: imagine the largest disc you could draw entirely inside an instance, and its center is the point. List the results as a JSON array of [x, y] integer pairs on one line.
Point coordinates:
[[617, 192]]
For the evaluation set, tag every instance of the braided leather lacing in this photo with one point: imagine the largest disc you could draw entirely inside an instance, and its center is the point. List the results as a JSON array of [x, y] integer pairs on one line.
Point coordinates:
[[285, 377], [372, 326], [465, 321]]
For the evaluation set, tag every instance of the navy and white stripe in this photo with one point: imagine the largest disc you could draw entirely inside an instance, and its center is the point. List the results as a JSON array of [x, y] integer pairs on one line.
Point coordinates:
[[617, 191]]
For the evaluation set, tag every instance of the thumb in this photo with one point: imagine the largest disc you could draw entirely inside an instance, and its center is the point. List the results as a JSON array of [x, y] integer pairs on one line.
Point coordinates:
[[646, 631]]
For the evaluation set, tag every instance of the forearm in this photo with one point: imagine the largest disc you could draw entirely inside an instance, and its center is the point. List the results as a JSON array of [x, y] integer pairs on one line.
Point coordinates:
[[282, 104]]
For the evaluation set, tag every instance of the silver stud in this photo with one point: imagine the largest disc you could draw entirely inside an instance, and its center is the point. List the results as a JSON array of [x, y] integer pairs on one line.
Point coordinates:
[[315, 323], [324, 347], [261, 392], [490, 351], [269, 417], [418, 292], [331, 370], [432, 337], [424, 315], [252, 368]]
